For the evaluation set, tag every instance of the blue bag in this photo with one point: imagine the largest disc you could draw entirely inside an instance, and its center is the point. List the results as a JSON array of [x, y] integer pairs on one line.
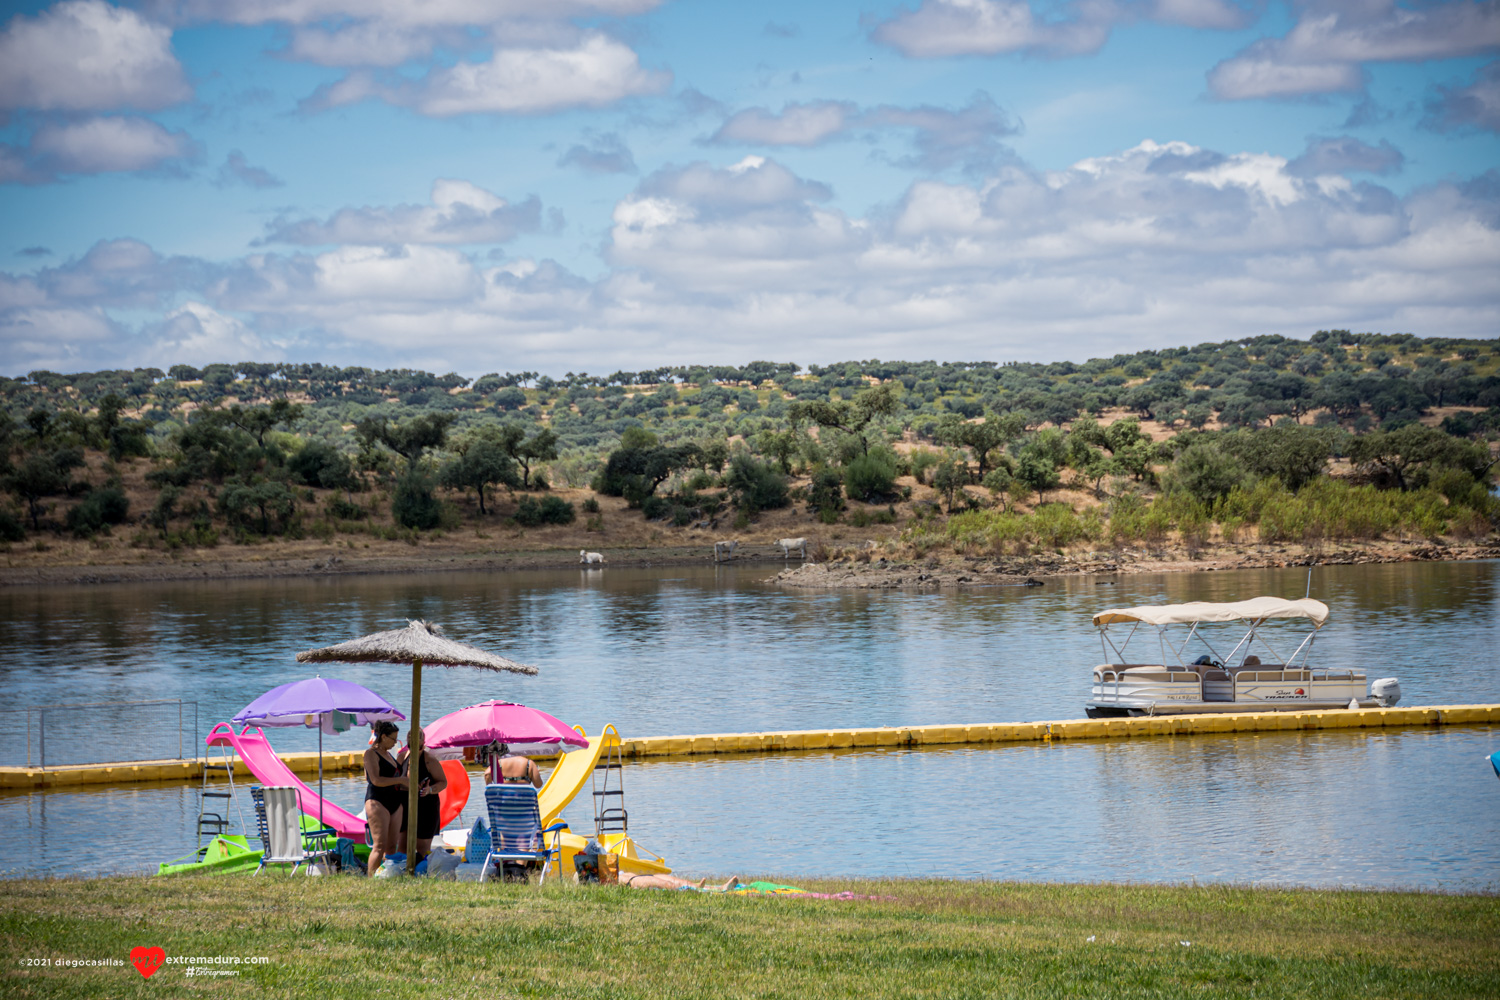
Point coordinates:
[[479, 842]]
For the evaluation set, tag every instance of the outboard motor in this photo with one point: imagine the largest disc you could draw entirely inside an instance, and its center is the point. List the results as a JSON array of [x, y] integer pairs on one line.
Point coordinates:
[[1386, 691]]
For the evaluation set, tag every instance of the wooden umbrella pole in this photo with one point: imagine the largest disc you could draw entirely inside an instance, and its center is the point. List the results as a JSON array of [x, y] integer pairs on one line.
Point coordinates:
[[413, 766]]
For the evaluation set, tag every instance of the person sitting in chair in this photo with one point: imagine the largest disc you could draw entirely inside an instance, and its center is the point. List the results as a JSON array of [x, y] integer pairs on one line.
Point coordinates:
[[505, 769]]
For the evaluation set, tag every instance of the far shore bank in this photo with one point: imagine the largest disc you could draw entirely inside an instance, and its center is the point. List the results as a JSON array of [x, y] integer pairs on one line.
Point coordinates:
[[831, 566]]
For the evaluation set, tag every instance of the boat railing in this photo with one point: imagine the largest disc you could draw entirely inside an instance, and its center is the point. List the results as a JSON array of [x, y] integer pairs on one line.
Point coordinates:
[[1116, 679], [1116, 674]]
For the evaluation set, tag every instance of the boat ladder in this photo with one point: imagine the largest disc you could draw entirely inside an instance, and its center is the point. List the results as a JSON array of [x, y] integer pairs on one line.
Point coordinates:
[[608, 782], [213, 806]]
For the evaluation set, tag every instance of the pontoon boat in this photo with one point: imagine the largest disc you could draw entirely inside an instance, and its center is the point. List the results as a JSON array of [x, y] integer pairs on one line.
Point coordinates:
[[1238, 680]]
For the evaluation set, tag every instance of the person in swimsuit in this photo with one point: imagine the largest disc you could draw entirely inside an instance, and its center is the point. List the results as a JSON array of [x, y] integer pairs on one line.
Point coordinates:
[[385, 794], [507, 770], [432, 780]]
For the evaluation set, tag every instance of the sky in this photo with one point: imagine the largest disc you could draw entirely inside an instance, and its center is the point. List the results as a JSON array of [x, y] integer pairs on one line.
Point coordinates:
[[492, 185]]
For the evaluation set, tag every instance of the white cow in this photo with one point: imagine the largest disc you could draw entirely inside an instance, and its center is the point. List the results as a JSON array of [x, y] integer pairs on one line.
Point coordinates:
[[725, 550], [788, 544], [590, 558]]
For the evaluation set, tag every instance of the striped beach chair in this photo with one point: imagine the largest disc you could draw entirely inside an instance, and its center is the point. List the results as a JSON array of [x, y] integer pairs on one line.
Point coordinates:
[[282, 836], [516, 833]]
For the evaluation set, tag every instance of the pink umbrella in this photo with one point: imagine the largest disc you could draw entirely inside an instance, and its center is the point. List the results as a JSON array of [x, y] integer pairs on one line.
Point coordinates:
[[526, 730]]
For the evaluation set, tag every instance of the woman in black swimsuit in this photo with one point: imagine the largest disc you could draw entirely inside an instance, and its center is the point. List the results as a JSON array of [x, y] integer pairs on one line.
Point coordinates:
[[433, 779], [385, 794]]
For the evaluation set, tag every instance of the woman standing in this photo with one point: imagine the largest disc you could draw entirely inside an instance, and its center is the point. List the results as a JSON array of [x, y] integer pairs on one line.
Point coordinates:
[[385, 794], [431, 779]]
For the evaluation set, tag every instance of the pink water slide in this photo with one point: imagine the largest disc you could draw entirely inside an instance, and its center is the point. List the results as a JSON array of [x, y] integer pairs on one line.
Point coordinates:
[[253, 748]]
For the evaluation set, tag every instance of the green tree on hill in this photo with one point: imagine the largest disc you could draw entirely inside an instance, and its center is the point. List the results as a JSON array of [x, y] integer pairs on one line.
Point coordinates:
[[540, 447], [40, 475], [482, 461], [854, 416], [983, 438]]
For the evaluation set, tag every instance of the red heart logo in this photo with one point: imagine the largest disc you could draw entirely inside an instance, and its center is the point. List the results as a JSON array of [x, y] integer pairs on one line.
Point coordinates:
[[147, 960]]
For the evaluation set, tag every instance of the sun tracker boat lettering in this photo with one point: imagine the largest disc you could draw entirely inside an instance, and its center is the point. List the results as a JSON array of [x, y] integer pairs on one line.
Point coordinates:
[[1237, 680]]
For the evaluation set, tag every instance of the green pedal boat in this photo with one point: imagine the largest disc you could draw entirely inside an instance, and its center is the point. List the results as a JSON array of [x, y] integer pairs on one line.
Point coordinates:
[[232, 853]]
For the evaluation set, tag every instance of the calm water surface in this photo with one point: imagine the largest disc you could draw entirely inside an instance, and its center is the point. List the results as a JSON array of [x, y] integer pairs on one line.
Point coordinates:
[[698, 650]]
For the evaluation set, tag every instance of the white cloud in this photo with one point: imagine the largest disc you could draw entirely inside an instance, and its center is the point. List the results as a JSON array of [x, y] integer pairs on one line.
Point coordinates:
[[1246, 77], [754, 184], [237, 170], [942, 28], [460, 213], [433, 13], [796, 125], [943, 137], [84, 55], [988, 27], [605, 154], [1332, 39], [1345, 154], [594, 72], [105, 145], [1162, 243], [197, 334]]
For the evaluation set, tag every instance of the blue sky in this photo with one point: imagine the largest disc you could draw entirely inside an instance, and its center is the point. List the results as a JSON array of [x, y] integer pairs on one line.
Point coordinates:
[[468, 185]]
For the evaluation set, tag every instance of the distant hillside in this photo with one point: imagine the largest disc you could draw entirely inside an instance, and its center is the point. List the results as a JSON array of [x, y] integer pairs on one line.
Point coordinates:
[[1193, 437]]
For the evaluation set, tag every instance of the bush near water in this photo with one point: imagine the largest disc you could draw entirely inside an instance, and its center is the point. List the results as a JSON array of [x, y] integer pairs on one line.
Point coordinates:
[[1341, 438]]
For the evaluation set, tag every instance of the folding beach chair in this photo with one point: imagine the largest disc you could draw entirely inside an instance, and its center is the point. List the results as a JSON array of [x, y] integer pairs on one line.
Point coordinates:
[[516, 833], [281, 835]]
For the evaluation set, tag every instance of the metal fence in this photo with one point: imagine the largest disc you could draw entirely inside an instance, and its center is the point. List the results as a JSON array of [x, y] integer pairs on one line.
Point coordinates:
[[102, 732]]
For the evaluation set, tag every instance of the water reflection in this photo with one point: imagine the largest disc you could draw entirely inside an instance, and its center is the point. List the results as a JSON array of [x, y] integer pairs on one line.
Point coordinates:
[[1404, 808], [701, 649]]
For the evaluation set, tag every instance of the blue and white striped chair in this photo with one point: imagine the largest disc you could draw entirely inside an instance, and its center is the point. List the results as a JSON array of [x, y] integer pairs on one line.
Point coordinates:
[[516, 833], [279, 817]]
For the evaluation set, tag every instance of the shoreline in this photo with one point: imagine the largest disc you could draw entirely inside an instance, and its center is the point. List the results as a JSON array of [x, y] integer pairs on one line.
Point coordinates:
[[853, 568]]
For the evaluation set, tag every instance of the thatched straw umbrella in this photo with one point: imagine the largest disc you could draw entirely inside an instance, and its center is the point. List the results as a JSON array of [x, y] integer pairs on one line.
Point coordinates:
[[418, 643]]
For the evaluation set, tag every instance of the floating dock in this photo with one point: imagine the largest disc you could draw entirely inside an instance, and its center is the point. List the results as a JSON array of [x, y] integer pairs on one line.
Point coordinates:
[[883, 737]]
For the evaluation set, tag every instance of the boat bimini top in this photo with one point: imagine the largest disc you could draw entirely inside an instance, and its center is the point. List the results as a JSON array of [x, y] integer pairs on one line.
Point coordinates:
[[1256, 610], [1253, 613]]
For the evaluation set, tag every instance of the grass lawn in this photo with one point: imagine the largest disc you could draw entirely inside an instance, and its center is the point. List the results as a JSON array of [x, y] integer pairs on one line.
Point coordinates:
[[341, 937]]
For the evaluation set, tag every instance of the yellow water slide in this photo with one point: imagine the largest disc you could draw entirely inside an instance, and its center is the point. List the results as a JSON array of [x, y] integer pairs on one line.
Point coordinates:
[[574, 771]]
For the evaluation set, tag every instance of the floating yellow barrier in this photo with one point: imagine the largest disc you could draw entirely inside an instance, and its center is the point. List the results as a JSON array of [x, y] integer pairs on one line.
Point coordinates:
[[835, 739]]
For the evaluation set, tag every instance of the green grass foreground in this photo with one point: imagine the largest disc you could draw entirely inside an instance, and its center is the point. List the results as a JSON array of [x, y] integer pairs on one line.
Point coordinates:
[[338, 937]]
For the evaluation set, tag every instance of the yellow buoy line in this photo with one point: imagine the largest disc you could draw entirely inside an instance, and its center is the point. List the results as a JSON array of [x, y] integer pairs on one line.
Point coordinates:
[[835, 739]]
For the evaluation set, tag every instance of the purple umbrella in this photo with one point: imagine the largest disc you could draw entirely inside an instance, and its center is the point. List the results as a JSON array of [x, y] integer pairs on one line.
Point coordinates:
[[330, 704]]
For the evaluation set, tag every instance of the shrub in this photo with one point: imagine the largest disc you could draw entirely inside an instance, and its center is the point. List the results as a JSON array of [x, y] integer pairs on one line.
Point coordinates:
[[549, 510], [344, 510], [590, 505], [1207, 472], [265, 506], [825, 495], [863, 517], [655, 508], [871, 477], [413, 504], [106, 505], [923, 459], [321, 464], [755, 484], [12, 529]]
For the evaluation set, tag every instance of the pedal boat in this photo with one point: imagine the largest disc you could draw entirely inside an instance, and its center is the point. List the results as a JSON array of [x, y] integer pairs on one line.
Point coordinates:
[[1238, 680]]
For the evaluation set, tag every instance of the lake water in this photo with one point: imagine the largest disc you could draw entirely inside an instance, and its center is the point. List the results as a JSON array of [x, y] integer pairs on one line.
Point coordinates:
[[692, 650]]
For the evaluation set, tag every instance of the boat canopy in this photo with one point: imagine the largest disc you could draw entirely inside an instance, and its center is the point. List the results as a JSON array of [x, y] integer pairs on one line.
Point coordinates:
[[1254, 610]]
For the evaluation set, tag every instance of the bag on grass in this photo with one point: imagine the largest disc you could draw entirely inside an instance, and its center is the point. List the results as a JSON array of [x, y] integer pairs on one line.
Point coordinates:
[[479, 842]]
